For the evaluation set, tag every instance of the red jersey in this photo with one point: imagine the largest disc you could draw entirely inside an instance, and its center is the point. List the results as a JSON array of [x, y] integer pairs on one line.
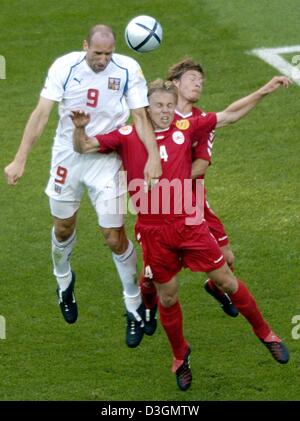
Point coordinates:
[[166, 200], [203, 149], [202, 146]]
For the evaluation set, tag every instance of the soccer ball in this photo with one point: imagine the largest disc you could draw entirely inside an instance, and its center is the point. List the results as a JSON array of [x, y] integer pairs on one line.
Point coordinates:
[[143, 34]]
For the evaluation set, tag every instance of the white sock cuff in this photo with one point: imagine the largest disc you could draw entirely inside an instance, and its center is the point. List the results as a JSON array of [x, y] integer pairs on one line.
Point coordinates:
[[125, 295], [63, 243], [61, 276], [128, 253]]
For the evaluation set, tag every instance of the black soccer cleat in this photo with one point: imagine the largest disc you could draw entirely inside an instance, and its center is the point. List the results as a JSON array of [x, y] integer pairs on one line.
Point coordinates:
[[277, 348], [224, 300], [67, 302], [150, 320], [184, 373], [134, 328]]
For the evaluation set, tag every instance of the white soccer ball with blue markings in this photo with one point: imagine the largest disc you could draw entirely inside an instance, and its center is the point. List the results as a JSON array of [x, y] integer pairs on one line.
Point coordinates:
[[143, 34]]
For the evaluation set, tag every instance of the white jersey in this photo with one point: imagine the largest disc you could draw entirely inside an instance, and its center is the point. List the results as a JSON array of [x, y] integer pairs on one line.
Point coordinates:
[[107, 96]]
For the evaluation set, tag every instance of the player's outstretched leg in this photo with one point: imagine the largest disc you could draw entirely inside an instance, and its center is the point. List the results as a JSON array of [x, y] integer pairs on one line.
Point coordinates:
[[61, 253], [149, 297], [222, 298], [171, 320], [246, 304]]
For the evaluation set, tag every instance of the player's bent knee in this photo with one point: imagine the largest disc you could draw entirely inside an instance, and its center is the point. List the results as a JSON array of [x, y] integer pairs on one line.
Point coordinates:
[[116, 239], [64, 228], [167, 300]]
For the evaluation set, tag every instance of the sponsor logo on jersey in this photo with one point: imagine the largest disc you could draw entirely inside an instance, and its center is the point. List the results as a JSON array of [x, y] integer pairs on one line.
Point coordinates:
[[183, 124], [114, 83], [125, 130], [178, 138]]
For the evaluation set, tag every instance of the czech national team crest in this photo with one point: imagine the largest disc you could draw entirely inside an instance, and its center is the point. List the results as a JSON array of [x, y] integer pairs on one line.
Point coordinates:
[[114, 83]]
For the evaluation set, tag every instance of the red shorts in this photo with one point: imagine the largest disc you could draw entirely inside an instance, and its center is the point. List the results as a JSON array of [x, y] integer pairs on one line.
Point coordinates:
[[215, 226], [169, 247]]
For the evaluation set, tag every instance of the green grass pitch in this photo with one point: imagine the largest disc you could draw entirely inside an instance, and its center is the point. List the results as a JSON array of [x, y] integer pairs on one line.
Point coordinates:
[[253, 186]]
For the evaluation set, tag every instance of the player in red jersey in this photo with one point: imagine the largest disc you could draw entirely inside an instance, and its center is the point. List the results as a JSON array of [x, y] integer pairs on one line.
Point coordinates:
[[179, 237], [188, 76]]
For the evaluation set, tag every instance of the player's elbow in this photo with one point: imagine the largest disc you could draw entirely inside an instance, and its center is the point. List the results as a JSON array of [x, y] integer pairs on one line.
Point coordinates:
[[225, 118]]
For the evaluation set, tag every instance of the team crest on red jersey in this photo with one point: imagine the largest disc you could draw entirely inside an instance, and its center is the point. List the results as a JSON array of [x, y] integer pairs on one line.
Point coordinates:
[[178, 138], [183, 124], [114, 83]]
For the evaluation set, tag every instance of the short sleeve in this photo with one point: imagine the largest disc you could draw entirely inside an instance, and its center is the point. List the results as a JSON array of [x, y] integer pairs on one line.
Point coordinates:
[[206, 122], [136, 93], [54, 84]]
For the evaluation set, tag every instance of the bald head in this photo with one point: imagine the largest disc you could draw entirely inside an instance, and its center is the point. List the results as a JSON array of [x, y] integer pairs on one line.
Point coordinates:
[[100, 32], [99, 47]]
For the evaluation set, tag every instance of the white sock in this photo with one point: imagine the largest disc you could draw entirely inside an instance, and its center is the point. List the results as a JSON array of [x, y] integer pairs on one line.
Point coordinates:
[[132, 303], [127, 270], [61, 254]]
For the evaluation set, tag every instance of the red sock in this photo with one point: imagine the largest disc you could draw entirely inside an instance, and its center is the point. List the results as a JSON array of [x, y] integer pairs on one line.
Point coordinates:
[[246, 304], [148, 292], [171, 320]]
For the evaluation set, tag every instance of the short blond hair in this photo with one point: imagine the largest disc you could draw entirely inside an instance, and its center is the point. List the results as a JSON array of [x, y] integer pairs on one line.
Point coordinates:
[[160, 85]]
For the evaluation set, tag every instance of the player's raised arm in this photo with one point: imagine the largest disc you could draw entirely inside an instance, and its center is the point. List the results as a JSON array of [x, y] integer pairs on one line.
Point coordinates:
[[81, 142], [243, 106], [33, 130]]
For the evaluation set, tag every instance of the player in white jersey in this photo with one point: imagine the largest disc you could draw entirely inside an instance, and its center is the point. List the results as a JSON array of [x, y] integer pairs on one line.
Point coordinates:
[[108, 86]]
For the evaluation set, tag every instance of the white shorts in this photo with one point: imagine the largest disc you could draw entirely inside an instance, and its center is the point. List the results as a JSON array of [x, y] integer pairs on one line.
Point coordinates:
[[72, 172], [110, 212]]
